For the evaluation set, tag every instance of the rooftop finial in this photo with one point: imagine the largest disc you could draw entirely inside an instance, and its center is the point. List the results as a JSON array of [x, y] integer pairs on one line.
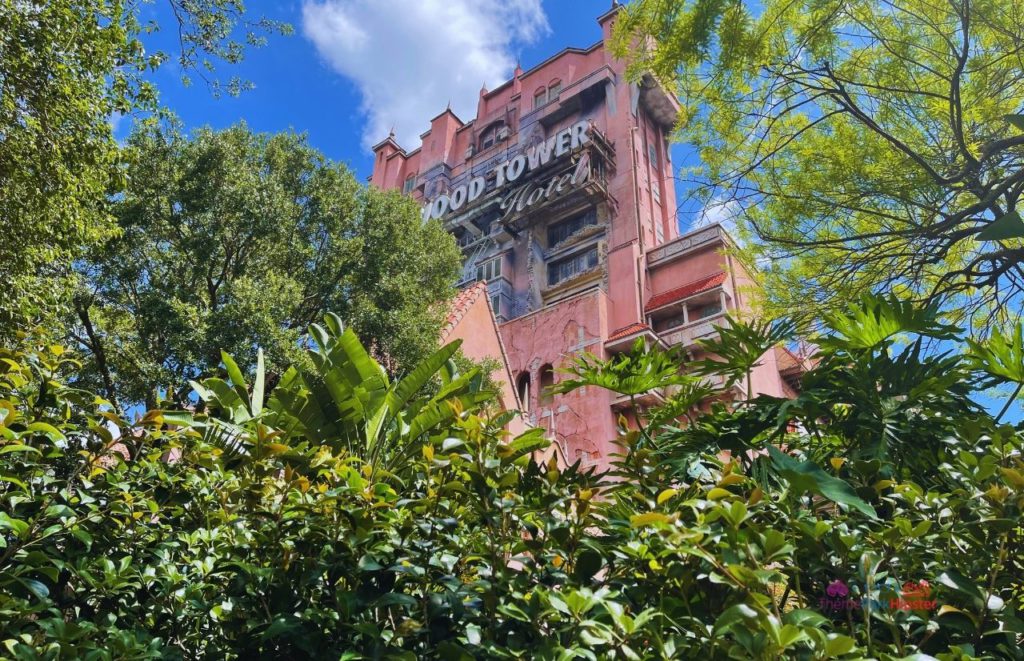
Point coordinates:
[[391, 134]]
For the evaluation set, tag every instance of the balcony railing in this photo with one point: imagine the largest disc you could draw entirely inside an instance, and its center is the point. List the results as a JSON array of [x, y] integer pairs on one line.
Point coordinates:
[[689, 334]]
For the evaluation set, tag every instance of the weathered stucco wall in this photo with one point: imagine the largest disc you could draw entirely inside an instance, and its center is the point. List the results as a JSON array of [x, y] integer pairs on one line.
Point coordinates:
[[581, 422]]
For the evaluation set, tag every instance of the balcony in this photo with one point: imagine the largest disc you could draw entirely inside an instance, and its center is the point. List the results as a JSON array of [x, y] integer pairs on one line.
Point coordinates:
[[689, 334]]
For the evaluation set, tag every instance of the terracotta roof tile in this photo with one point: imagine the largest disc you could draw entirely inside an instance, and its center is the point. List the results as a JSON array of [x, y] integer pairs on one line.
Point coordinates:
[[679, 293], [628, 330], [461, 304]]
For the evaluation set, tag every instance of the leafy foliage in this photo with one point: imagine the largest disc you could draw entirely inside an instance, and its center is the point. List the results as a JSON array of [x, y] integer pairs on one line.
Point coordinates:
[[859, 146], [472, 548], [67, 67], [232, 240], [345, 401]]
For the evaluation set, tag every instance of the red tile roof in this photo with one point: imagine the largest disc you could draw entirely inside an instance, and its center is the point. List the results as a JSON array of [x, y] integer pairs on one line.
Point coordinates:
[[460, 305], [679, 293], [628, 330]]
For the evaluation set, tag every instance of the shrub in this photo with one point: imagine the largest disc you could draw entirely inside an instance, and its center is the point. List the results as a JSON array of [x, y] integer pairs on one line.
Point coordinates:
[[239, 533]]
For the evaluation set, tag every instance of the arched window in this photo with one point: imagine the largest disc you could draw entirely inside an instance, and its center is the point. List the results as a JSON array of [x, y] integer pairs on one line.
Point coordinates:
[[540, 97], [554, 89], [491, 135], [547, 381], [523, 388]]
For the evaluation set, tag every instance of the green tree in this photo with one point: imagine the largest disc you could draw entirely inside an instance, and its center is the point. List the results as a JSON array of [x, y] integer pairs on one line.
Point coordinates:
[[66, 68], [862, 146], [235, 240]]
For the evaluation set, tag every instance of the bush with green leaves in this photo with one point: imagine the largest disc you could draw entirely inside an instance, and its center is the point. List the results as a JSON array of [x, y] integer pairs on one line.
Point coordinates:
[[344, 514]]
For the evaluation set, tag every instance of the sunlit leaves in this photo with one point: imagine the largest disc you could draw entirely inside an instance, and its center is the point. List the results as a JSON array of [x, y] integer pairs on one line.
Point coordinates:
[[232, 240], [874, 320], [1002, 355], [851, 147], [632, 373]]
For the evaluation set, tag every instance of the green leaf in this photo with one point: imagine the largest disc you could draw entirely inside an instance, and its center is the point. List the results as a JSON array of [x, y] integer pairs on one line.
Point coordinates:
[[16, 525], [838, 644], [258, 384], [17, 447], [395, 599], [733, 615], [808, 476], [368, 564], [649, 519], [179, 418], [956, 581], [49, 430], [13, 480], [523, 445], [414, 382], [234, 373], [1007, 226], [1016, 120], [37, 588]]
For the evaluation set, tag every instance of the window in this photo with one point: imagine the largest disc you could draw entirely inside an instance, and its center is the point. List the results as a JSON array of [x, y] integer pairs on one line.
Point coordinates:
[[489, 270], [489, 137], [670, 323], [496, 305], [652, 155], [547, 381], [523, 388], [540, 97], [554, 89], [562, 230], [410, 183], [709, 310], [570, 267]]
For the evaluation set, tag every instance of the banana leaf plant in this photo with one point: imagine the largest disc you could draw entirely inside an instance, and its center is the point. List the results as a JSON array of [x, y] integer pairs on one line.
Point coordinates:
[[342, 398]]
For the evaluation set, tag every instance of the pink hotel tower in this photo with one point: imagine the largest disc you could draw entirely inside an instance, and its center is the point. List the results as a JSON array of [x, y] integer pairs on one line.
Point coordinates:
[[560, 194]]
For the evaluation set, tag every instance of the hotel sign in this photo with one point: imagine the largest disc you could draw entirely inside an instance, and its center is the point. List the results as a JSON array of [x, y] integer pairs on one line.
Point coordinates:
[[508, 172]]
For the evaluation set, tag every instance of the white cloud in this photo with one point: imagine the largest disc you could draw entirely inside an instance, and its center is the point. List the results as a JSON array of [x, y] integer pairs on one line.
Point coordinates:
[[410, 58], [718, 211]]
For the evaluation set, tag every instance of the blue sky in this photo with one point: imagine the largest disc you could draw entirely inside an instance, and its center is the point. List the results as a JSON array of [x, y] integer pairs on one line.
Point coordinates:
[[318, 80]]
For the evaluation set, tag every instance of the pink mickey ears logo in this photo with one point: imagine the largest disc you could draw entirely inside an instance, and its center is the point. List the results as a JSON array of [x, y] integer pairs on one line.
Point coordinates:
[[837, 589]]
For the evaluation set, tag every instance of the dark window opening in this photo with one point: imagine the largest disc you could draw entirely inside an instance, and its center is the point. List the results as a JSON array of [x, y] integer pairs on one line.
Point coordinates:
[[708, 310], [562, 230], [489, 270], [670, 323], [523, 389], [540, 97], [489, 137], [547, 381], [570, 267]]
